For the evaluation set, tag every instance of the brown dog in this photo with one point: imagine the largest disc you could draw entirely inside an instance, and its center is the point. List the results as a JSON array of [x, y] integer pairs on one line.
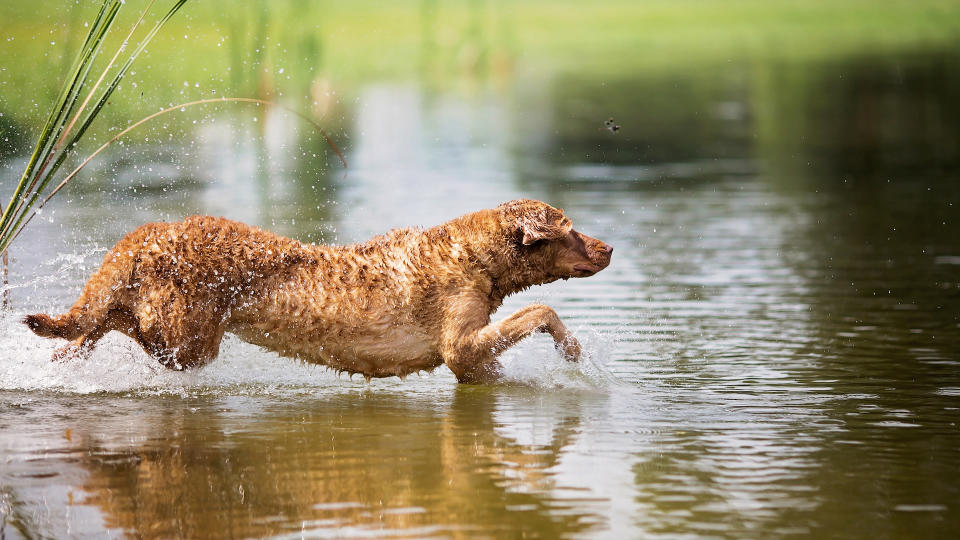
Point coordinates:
[[406, 301]]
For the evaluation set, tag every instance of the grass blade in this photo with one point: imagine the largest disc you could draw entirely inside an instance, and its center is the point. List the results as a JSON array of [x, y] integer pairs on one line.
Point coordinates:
[[57, 113], [59, 145], [58, 137], [52, 138], [33, 194], [333, 146]]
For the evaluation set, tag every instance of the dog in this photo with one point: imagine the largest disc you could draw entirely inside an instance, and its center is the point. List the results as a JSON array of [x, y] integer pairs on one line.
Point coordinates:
[[403, 302]]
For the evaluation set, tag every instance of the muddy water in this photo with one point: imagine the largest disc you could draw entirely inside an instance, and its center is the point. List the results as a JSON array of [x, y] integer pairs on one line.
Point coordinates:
[[772, 353]]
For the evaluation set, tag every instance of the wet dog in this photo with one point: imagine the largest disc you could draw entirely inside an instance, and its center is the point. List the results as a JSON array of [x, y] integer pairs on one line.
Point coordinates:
[[399, 303]]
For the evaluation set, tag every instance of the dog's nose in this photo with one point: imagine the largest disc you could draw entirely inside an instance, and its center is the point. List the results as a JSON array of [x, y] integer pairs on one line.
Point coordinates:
[[608, 248]]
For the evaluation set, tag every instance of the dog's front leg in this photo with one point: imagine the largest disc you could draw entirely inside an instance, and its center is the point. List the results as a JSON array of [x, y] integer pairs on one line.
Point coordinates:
[[502, 335], [471, 344]]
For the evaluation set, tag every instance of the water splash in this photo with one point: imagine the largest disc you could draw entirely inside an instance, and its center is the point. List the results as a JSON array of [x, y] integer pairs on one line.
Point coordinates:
[[118, 365], [536, 363]]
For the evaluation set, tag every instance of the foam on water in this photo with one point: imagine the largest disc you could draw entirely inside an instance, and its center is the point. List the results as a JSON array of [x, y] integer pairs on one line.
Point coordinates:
[[118, 365]]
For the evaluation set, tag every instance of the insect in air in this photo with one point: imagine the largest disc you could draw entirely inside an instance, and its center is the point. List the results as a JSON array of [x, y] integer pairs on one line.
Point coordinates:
[[611, 125]]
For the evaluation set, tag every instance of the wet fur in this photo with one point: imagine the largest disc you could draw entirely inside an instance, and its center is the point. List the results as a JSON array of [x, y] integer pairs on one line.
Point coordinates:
[[402, 302]]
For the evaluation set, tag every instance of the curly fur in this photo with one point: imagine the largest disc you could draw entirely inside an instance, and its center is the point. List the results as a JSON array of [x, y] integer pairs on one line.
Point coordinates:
[[402, 302]]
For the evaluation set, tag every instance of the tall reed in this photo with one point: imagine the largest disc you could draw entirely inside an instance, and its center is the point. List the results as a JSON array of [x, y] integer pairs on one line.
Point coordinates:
[[70, 118]]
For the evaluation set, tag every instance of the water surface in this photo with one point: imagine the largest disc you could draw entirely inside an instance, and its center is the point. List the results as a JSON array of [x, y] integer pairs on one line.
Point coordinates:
[[772, 352]]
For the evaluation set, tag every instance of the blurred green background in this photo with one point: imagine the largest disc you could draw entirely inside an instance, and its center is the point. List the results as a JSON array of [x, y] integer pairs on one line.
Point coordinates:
[[786, 81]]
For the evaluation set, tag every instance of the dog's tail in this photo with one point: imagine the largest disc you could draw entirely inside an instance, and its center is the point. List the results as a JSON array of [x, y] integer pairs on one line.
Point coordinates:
[[94, 304], [44, 325]]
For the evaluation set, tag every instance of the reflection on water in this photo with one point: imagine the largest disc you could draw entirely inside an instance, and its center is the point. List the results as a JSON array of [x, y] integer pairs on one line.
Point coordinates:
[[240, 466], [881, 119], [781, 323]]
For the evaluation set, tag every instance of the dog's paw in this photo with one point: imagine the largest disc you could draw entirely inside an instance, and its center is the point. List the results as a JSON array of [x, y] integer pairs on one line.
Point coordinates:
[[570, 348]]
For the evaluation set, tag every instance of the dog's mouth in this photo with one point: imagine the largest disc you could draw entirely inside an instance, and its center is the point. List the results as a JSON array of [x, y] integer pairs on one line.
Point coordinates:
[[584, 270]]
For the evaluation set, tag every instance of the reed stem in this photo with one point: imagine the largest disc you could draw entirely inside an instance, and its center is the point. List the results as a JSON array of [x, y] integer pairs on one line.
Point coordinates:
[[59, 136], [6, 283], [68, 121]]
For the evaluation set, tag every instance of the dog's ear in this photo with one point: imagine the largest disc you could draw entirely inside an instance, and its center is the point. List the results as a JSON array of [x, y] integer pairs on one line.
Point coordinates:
[[552, 226], [538, 221]]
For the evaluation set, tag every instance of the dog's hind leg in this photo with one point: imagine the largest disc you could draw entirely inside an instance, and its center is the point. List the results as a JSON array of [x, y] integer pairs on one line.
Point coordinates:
[[186, 351], [471, 344], [81, 347], [91, 311], [179, 333]]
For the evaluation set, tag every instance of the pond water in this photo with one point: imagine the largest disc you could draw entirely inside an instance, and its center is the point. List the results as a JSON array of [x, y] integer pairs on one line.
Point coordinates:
[[772, 353]]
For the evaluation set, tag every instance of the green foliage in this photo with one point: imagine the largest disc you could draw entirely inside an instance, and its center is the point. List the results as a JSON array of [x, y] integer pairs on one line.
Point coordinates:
[[70, 117], [241, 50]]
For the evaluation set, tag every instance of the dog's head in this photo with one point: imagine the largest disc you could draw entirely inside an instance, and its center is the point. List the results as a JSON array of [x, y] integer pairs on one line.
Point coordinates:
[[546, 242]]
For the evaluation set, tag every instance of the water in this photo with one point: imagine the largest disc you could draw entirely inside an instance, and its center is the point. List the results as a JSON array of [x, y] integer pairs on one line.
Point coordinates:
[[772, 352]]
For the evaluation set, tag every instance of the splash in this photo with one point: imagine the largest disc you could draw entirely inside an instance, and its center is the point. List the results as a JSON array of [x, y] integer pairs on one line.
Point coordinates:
[[536, 363], [118, 365]]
